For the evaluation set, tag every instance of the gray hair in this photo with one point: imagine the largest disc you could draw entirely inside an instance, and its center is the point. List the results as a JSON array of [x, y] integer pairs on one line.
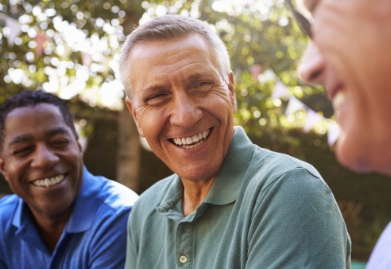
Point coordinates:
[[169, 27]]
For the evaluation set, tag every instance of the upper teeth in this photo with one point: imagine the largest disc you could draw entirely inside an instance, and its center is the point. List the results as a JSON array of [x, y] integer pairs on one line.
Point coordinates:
[[338, 99], [191, 140], [47, 182]]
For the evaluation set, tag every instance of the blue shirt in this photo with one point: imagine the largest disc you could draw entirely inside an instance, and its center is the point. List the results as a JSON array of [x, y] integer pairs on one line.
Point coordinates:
[[264, 210], [94, 236]]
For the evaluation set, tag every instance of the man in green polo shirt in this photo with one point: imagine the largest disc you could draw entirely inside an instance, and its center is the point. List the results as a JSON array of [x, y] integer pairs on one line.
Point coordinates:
[[230, 203]]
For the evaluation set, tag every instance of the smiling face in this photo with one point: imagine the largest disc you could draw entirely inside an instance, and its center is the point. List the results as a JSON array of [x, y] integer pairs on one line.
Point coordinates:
[[41, 159], [183, 105], [351, 56]]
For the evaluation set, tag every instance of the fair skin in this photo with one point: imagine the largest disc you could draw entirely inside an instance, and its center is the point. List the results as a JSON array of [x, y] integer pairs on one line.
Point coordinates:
[[184, 108], [351, 55], [42, 162]]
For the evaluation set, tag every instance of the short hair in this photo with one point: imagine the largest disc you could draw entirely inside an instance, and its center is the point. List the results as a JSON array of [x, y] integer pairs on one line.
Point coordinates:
[[169, 27], [32, 98]]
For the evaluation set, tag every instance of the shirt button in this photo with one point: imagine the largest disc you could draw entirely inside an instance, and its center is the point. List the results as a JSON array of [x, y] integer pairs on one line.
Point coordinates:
[[183, 259]]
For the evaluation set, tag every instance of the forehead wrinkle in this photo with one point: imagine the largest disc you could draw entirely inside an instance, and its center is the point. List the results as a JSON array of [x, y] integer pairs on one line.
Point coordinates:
[[184, 76]]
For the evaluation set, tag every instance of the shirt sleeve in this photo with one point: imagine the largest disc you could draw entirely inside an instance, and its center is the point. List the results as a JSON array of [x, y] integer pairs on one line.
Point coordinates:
[[297, 224], [108, 250]]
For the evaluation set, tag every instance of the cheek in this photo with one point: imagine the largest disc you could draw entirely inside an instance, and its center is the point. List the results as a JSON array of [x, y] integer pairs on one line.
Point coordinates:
[[151, 122], [14, 170]]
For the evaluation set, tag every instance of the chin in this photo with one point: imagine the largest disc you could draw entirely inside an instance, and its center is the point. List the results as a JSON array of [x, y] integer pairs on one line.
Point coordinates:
[[352, 156]]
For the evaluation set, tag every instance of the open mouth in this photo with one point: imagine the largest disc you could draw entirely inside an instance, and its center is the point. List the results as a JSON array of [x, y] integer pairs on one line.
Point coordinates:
[[48, 182], [193, 141], [338, 99]]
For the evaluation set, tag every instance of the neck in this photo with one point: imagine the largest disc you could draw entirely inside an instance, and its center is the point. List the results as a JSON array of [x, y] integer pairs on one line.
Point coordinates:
[[50, 228], [194, 193]]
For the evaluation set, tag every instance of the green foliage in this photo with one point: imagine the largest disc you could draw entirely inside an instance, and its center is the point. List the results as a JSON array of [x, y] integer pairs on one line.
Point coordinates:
[[256, 33], [73, 28]]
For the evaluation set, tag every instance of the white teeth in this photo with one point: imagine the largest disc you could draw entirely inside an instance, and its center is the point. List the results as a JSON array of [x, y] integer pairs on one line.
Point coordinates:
[[186, 141], [338, 100], [195, 138], [48, 182]]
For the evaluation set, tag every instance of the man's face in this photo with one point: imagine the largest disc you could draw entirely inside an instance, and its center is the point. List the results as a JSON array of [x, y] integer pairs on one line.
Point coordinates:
[[41, 159], [351, 56], [182, 105]]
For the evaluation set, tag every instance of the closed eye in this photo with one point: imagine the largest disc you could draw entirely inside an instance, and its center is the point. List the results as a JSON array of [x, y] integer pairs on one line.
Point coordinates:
[[60, 143], [157, 98], [203, 83], [201, 86], [22, 151]]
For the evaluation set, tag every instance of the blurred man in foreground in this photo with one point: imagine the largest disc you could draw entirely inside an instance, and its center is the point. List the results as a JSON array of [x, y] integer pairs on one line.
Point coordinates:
[[60, 216], [350, 54], [230, 204]]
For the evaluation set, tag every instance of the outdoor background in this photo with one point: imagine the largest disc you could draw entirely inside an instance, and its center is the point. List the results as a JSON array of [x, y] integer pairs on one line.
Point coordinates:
[[71, 48]]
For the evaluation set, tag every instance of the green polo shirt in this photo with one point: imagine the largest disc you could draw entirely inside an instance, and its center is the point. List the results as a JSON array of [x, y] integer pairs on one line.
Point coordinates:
[[264, 210]]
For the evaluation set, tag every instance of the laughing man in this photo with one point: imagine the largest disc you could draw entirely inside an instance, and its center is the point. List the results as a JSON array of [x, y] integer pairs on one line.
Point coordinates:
[[61, 216]]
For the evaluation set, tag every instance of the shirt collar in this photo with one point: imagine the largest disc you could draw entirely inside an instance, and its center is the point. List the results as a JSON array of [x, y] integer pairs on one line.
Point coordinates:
[[85, 205], [173, 195], [21, 215], [226, 186]]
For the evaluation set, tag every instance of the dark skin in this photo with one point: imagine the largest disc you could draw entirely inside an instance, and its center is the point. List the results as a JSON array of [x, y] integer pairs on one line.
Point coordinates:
[[50, 229], [42, 162]]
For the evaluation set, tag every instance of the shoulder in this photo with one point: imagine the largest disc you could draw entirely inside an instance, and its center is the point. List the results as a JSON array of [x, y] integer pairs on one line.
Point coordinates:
[[111, 194], [8, 205], [268, 167], [277, 176], [152, 197], [155, 194]]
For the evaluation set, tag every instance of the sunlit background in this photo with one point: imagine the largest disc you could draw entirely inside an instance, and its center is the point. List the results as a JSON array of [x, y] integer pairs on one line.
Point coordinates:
[[71, 48]]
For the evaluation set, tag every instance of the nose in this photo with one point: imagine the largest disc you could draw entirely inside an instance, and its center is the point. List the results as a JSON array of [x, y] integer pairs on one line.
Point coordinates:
[[312, 66], [186, 111], [43, 157]]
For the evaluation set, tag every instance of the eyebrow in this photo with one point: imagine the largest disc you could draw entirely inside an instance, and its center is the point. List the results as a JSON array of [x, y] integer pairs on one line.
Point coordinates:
[[56, 131], [23, 138], [199, 76]]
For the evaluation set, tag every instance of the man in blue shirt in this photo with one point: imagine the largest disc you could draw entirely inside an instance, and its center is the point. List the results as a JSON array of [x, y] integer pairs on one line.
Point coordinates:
[[60, 216]]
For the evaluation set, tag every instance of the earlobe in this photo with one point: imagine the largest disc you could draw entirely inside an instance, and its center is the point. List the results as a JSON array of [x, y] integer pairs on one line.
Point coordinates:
[[133, 111]]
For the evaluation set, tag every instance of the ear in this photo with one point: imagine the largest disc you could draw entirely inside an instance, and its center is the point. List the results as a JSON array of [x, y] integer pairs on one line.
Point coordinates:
[[133, 111], [2, 168], [231, 87]]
